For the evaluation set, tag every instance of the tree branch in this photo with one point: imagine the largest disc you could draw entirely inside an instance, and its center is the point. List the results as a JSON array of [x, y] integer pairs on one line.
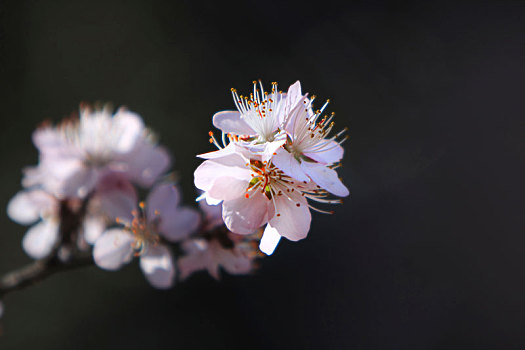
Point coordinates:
[[39, 270]]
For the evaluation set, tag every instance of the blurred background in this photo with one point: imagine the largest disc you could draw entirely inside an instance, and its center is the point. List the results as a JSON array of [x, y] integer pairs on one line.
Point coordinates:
[[428, 253]]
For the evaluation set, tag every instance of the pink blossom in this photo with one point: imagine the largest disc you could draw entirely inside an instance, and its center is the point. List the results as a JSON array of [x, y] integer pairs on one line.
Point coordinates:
[[160, 218], [78, 152], [259, 119], [254, 193], [210, 255], [279, 155], [309, 153]]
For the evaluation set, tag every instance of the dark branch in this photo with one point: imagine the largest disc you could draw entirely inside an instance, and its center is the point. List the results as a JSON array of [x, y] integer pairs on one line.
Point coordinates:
[[37, 271]]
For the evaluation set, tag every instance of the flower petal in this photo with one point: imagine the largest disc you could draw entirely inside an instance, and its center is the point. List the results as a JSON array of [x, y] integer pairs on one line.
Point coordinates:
[[245, 215], [116, 197], [93, 227], [113, 249], [27, 207], [292, 216], [179, 223], [269, 240], [231, 166], [326, 178], [146, 162], [157, 265], [285, 161], [271, 148], [228, 188], [163, 198], [231, 122], [332, 152], [128, 127], [40, 239]]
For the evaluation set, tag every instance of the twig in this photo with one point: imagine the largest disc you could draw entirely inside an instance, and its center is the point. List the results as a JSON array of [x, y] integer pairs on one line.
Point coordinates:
[[39, 270]]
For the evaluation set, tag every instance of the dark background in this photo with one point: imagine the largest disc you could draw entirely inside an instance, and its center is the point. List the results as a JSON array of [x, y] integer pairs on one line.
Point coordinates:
[[427, 254]]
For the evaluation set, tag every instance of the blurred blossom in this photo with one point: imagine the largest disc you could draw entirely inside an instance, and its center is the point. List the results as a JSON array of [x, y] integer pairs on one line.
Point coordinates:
[[79, 151], [36, 207], [160, 218], [218, 248], [278, 155]]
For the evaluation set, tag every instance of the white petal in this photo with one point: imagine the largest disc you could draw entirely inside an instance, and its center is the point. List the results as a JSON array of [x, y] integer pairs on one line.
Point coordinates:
[[333, 154], [326, 178], [245, 215], [231, 122], [293, 96], [285, 161], [113, 249], [292, 216], [27, 207], [93, 227], [271, 148], [157, 265], [40, 239], [269, 240], [128, 127]]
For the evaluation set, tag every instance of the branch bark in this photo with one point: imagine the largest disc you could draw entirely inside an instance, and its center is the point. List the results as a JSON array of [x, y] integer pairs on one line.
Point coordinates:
[[39, 270]]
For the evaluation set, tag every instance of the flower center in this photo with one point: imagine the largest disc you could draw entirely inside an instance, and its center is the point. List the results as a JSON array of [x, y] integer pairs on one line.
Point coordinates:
[[144, 231]]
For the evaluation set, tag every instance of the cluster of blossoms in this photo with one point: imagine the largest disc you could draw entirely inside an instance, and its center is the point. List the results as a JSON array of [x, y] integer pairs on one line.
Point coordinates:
[[277, 156], [82, 199]]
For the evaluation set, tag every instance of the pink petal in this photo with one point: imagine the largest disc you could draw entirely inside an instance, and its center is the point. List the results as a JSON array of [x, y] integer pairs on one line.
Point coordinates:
[[333, 154], [40, 239], [231, 122], [81, 183], [197, 258], [230, 166], [157, 265], [163, 198], [292, 216], [228, 188], [27, 207], [179, 223], [146, 163], [113, 249], [245, 215], [269, 240], [116, 197], [285, 161], [235, 264], [326, 178]]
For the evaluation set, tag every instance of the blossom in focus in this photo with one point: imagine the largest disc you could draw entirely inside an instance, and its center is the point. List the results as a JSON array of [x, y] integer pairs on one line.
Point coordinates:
[[254, 193], [278, 155], [219, 248], [259, 119], [75, 154], [160, 218]]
